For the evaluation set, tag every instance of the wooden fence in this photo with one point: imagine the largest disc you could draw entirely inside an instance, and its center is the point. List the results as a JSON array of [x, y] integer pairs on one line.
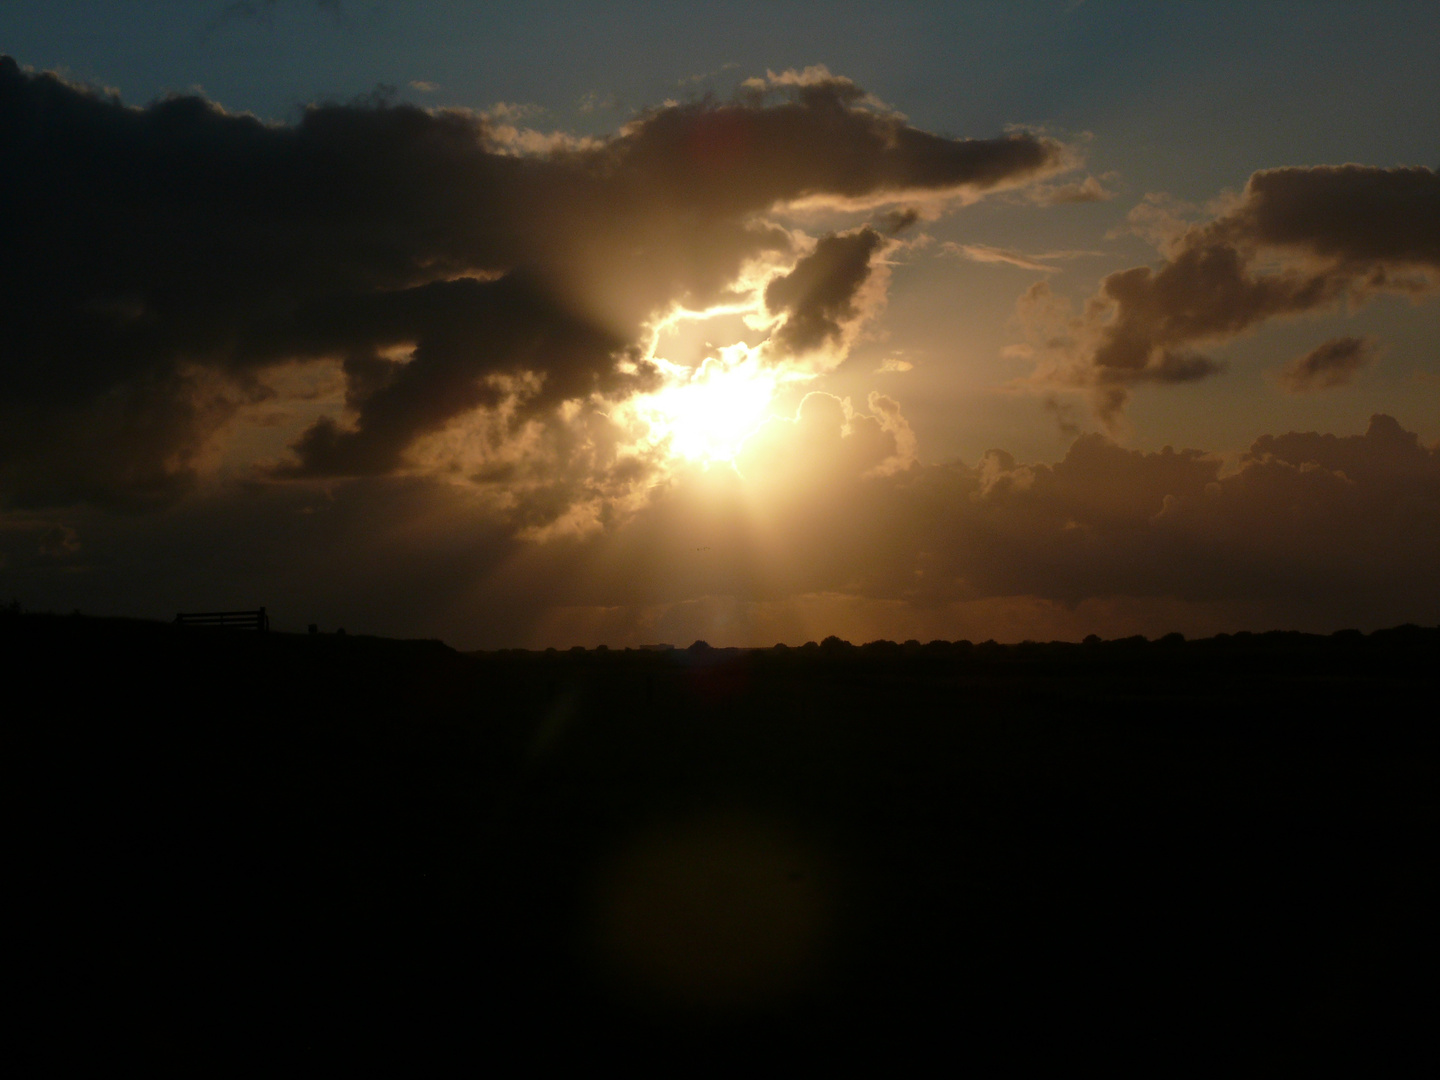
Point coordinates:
[[240, 620]]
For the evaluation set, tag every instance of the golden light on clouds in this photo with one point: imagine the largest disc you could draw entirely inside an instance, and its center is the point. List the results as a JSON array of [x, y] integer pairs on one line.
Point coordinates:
[[715, 396], [706, 413], [486, 375]]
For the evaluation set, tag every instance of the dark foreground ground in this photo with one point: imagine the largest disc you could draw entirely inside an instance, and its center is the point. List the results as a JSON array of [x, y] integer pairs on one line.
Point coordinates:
[[232, 846]]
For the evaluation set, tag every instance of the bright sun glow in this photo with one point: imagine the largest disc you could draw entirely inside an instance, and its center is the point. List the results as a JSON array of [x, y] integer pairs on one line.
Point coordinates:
[[708, 412]]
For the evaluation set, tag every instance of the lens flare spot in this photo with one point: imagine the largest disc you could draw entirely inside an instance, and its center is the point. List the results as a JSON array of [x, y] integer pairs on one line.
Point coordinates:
[[725, 912]]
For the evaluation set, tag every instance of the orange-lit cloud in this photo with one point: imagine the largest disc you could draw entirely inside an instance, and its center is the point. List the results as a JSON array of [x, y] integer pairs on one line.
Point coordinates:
[[986, 253], [1081, 191]]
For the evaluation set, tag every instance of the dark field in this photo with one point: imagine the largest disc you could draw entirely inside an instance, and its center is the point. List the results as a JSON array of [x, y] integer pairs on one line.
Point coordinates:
[[236, 846]]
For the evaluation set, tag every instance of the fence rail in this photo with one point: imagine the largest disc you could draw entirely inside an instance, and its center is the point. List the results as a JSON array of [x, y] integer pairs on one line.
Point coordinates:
[[240, 620]]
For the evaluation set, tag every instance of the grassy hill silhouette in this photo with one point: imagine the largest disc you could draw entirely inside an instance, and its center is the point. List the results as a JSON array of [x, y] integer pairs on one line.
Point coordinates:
[[340, 845]]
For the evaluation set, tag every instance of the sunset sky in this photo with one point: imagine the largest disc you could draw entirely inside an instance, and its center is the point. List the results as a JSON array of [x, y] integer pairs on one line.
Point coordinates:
[[569, 324]]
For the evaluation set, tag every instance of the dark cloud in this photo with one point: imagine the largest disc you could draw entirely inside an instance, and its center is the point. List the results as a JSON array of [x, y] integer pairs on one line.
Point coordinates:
[[464, 329], [162, 263], [1297, 241], [1332, 363], [819, 297], [894, 222], [1142, 327], [1358, 217]]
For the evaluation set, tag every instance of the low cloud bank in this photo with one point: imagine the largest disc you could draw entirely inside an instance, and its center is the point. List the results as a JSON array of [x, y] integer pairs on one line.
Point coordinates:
[[1307, 531]]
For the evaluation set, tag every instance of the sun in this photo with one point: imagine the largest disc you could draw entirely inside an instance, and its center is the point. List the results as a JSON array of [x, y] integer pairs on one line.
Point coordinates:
[[706, 413], [714, 396]]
